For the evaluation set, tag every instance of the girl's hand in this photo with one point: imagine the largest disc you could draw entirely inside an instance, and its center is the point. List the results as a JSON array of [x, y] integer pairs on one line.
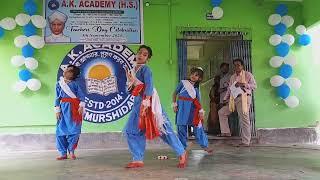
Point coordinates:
[[130, 77], [201, 116], [80, 110], [58, 115], [174, 106], [175, 109], [144, 111], [145, 105]]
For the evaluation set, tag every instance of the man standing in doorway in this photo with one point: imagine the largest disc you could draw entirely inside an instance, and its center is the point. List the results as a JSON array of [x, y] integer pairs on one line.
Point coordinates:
[[245, 81], [217, 93]]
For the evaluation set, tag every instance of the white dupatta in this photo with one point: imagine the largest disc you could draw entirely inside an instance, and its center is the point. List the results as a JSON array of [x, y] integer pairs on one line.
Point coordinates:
[[64, 86], [189, 88], [155, 105]]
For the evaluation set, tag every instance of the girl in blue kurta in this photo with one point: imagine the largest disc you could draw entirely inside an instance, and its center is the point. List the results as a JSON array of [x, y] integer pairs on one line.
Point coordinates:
[[69, 106], [188, 109], [147, 119]]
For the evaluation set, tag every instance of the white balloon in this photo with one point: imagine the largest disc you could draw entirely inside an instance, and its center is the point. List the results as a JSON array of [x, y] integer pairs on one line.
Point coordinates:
[[217, 12], [301, 29], [276, 61], [17, 61], [19, 86], [288, 38], [287, 20], [38, 21], [276, 81], [292, 101], [8, 23], [36, 41], [31, 63], [274, 19], [294, 83], [275, 40], [20, 41], [34, 84], [22, 19], [290, 60]]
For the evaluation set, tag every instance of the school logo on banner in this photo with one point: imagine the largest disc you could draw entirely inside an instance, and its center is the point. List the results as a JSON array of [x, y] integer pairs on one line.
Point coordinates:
[[103, 79]]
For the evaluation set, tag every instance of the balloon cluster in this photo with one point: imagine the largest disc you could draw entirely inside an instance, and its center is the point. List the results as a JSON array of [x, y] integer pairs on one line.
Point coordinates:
[[29, 41], [283, 60], [7, 23], [217, 11], [304, 38]]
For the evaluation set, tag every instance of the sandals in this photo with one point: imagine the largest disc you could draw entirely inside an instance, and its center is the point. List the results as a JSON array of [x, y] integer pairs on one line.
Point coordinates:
[[242, 145], [224, 135]]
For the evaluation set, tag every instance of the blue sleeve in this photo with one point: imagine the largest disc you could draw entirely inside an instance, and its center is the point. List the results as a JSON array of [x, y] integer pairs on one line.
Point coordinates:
[[148, 82], [80, 93], [58, 95], [198, 95], [179, 87]]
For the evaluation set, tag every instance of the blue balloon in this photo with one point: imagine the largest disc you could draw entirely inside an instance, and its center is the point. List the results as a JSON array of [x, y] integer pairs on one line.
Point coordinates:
[[280, 29], [282, 9], [27, 51], [1, 32], [282, 49], [283, 91], [29, 30], [285, 71], [216, 2], [304, 40], [25, 75], [30, 7]]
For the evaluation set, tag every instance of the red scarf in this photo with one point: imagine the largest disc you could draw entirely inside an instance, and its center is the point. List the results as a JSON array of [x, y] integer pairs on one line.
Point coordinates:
[[76, 116], [196, 103], [147, 122]]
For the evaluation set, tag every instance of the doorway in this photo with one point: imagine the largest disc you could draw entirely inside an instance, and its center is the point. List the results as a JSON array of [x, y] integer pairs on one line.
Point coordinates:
[[208, 49]]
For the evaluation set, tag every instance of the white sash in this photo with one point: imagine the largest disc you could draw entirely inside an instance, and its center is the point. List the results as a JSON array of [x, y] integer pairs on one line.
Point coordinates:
[[64, 86], [190, 88], [157, 111]]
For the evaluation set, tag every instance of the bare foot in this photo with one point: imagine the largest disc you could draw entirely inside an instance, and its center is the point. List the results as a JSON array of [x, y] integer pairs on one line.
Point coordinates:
[[183, 160], [209, 150], [73, 157], [135, 164], [62, 158]]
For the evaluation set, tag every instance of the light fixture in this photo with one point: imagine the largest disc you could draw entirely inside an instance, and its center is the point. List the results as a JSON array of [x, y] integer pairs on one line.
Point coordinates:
[[147, 4]]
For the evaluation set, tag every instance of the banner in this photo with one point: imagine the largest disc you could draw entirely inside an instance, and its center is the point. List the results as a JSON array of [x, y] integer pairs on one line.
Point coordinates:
[[103, 79], [94, 21]]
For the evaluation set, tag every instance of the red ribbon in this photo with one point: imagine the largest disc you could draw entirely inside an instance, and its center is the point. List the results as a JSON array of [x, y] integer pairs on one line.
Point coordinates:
[[146, 122], [76, 116], [137, 90], [196, 120]]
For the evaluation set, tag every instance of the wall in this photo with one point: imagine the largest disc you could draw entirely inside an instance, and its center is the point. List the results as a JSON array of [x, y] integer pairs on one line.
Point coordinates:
[[311, 12], [33, 112], [270, 110]]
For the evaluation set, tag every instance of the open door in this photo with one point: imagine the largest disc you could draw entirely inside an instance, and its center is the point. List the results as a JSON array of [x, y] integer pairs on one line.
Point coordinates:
[[208, 49]]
